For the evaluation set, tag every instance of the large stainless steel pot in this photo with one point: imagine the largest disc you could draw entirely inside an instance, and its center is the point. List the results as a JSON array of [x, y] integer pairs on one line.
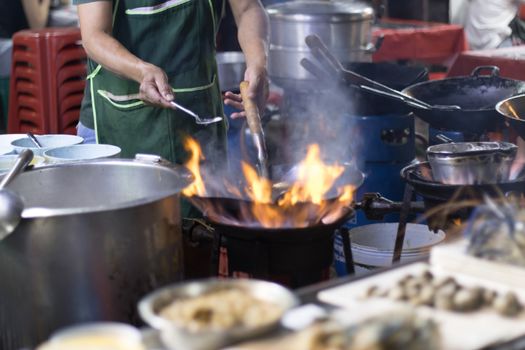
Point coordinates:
[[95, 237], [345, 27]]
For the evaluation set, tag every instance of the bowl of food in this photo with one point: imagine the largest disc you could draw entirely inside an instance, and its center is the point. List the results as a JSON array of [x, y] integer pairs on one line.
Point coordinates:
[[81, 152], [99, 335], [47, 141], [7, 162], [208, 314]]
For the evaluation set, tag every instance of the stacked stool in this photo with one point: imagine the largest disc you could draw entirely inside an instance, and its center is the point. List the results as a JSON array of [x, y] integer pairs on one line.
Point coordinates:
[[47, 81]]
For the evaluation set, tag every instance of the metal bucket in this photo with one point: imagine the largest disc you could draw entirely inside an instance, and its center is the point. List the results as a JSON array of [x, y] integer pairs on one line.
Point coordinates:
[[95, 237]]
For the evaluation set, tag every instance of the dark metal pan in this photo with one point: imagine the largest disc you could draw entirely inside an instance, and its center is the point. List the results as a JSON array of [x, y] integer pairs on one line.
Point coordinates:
[[476, 95], [513, 109], [419, 175], [466, 104]]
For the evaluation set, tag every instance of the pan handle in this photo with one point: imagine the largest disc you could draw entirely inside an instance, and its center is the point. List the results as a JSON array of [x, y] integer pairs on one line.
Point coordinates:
[[406, 99], [313, 69], [494, 71]]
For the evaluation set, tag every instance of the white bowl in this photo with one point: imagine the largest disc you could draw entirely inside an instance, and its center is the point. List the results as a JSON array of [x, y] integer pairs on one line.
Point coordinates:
[[99, 335], [81, 152], [6, 139], [47, 142], [7, 161], [6, 149]]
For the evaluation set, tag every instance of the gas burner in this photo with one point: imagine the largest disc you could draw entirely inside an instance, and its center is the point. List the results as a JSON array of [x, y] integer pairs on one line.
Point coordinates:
[[295, 257], [446, 202]]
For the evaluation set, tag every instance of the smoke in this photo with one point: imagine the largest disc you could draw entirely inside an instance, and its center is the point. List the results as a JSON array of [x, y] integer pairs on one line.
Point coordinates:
[[316, 115]]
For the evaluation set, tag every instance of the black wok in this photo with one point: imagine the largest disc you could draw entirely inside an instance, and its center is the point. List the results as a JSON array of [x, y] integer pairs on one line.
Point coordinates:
[[226, 208], [513, 109], [466, 104], [476, 95]]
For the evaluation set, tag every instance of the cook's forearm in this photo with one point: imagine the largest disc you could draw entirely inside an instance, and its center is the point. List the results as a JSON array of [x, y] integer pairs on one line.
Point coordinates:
[[253, 35], [96, 26], [112, 55]]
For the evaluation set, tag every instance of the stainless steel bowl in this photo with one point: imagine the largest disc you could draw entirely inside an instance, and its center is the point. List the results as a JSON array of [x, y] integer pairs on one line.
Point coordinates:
[[176, 337], [468, 163]]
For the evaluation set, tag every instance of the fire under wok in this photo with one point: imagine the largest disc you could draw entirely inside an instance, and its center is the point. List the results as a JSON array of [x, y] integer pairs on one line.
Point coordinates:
[[240, 210]]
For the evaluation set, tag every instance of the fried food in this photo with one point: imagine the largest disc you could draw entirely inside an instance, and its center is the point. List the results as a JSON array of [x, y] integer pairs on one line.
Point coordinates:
[[221, 310]]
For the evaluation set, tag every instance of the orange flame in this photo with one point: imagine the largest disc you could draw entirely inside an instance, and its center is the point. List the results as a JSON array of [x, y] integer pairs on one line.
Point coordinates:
[[259, 189], [196, 188], [314, 180], [311, 199]]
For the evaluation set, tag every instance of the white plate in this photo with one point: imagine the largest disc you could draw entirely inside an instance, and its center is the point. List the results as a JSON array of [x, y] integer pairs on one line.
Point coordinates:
[[6, 139]]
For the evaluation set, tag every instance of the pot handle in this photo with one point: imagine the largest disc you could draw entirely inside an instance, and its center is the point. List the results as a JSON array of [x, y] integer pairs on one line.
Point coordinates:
[[373, 47], [158, 160], [148, 158], [494, 71]]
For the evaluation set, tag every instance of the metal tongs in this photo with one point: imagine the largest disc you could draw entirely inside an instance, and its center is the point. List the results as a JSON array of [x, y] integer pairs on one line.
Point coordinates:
[[335, 69]]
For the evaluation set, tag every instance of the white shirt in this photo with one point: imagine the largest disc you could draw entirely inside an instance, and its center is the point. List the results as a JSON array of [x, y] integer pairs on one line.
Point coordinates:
[[487, 22]]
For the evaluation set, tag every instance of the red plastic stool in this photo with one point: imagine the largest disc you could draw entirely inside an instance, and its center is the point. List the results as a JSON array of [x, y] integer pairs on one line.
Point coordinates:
[[28, 103], [48, 79], [67, 73]]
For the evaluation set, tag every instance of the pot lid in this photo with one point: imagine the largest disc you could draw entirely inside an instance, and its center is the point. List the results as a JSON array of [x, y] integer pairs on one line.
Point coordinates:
[[470, 148], [325, 11]]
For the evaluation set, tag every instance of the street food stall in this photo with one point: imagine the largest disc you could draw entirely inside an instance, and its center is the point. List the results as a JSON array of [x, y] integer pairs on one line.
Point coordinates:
[[329, 224]]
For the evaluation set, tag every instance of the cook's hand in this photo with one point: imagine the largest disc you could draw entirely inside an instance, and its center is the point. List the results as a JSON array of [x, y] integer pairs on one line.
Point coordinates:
[[154, 87], [257, 90]]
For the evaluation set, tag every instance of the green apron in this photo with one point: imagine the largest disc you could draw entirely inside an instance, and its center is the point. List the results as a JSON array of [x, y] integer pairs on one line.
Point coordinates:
[[179, 37]]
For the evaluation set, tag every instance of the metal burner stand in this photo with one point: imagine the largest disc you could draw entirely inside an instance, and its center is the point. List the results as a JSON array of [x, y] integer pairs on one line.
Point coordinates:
[[375, 207]]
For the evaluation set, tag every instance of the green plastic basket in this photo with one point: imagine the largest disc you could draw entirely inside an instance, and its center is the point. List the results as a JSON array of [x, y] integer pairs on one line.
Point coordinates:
[[4, 102]]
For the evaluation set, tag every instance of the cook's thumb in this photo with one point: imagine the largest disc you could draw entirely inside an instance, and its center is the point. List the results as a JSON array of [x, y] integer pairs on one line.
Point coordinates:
[[165, 89]]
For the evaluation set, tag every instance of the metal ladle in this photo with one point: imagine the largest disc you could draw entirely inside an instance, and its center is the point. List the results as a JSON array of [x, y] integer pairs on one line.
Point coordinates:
[[11, 205], [198, 120]]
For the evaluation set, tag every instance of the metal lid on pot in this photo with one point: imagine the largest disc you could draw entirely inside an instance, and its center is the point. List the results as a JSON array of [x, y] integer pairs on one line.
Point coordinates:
[[459, 149], [322, 11]]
